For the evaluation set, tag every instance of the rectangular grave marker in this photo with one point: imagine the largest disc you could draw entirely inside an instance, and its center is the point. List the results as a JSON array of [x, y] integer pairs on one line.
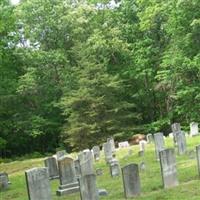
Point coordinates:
[[159, 143], [38, 184], [168, 168], [131, 180]]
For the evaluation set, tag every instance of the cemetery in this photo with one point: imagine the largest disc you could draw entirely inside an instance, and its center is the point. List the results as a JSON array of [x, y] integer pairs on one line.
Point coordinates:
[[99, 99], [165, 170]]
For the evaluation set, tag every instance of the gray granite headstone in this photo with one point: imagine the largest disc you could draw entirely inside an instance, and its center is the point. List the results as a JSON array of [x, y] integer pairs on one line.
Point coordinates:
[[4, 181], [108, 151], [88, 187], [51, 164], [168, 168], [115, 169], [86, 163], [194, 129], [159, 143], [181, 142], [112, 143], [96, 152], [176, 127], [198, 158], [131, 180], [38, 184], [68, 178]]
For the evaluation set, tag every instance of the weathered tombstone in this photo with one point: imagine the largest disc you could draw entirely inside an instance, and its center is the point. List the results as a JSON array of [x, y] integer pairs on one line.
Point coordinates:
[[194, 129], [142, 145], [191, 154], [86, 163], [103, 192], [198, 158], [141, 153], [107, 151], [115, 168], [4, 181], [96, 152], [181, 142], [150, 138], [38, 184], [68, 178], [159, 143], [142, 166], [51, 164], [176, 127], [99, 172], [88, 188], [77, 167], [112, 143], [60, 154], [131, 180], [168, 168], [124, 144]]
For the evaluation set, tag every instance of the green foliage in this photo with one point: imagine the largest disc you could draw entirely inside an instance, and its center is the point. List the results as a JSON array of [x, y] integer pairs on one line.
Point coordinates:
[[74, 73]]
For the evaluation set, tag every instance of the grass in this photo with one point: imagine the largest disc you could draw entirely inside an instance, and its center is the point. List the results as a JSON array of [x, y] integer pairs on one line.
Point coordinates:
[[151, 182]]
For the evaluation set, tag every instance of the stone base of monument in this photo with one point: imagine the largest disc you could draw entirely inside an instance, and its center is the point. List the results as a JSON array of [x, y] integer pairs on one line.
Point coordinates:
[[67, 189]]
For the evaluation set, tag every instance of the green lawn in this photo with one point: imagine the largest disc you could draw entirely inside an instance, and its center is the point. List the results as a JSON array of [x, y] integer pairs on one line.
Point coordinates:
[[151, 182]]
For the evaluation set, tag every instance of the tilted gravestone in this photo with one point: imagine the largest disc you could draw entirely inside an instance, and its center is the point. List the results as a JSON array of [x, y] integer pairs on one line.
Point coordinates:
[[4, 181], [96, 152], [150, 138], [115, 169], [68, 178], [198, 158], [88, 187], [108, 151], [51, 164], [142, 145], [131, 180], [86, 163], [38, 184], [194, 129], [181, 142], [168, 168], [159, 143]]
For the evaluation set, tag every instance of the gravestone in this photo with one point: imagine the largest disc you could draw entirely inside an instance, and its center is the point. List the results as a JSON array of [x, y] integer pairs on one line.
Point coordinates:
[[38, 184], [168, 168], [77, 167], [112, 143], [159, 143], [4, 181], [142, 166], [68, 178], [131, 180], [130, 152], [181, 142], [141, 153], [124, 144], [99, 172], [88, 187], [142, 145], [198, 158], [191, 154], [51, 164], [107, 151], [86, 163], [103, 192], [150, 138], [96, 152], [60, 154], [194, 129], [176, 127], [115, 169]]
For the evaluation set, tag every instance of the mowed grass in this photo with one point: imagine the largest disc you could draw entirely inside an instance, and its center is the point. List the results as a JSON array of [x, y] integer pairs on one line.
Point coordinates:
[[151, 181]]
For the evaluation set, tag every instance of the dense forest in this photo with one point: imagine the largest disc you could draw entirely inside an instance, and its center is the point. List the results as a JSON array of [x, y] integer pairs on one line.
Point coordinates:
[[73, 72]]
